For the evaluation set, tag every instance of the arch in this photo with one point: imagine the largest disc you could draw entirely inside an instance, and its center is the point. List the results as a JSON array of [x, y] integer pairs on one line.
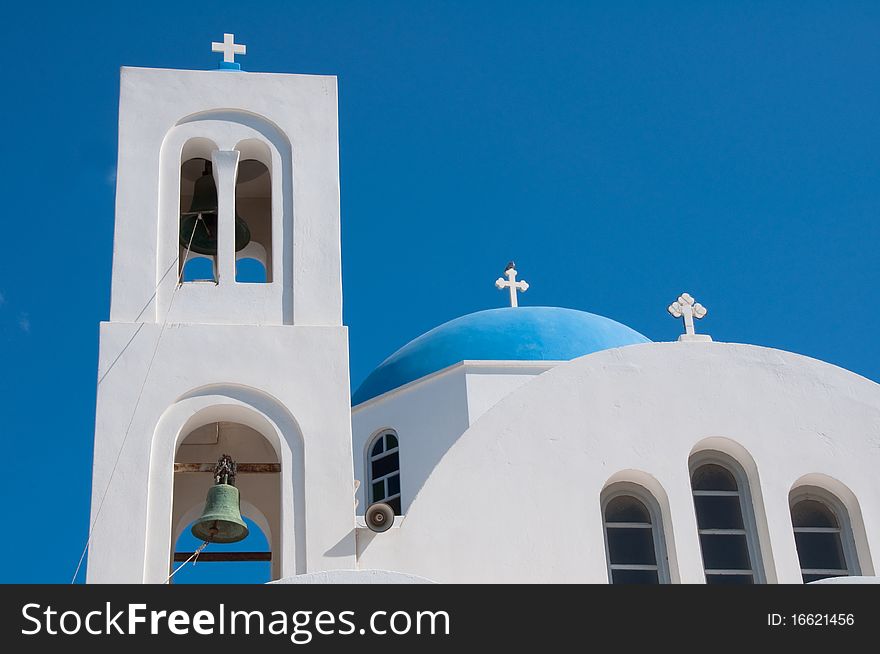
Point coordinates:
[[725, 520], [268, 128], [197, 147], [259, 494], [246, 406], [846, 505], [253, 204], [382, 469], [254, 138], [255, 150], [728, 453], [194, 163], [629, 512], [650, 490]]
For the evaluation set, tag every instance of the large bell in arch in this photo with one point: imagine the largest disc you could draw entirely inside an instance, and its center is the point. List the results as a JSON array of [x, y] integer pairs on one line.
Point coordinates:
[[221, 521], [200, 223]]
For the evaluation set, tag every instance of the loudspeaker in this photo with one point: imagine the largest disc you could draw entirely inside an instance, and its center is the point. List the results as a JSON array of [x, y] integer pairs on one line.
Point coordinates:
[[379, 517]]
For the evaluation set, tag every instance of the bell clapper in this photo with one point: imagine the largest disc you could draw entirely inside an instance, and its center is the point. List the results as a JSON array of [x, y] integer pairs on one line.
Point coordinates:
[[205, 223]]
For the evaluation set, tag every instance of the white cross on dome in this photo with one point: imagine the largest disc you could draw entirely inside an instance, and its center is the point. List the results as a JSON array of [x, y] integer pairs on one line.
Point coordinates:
[[511, 283]]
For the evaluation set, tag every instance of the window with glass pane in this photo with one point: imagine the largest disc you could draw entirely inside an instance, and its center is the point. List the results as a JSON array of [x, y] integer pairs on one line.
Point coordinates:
[[384, 470], [724, 540], [817, 534], [629, 532]]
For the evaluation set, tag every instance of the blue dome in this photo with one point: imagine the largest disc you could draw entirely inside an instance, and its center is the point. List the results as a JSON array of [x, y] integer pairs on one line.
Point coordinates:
[[510, 334]]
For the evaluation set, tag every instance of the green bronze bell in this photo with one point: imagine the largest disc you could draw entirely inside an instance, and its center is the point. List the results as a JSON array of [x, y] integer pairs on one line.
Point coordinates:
[[221, 521], [199, 224]]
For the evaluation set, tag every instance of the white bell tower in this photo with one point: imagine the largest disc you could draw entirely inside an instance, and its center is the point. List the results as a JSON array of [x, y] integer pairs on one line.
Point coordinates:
[[213, 359]]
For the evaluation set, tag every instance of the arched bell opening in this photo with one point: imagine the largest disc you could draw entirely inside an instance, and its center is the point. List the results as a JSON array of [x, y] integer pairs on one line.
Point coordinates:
[[257, 481], [197, 225], [253, 203]]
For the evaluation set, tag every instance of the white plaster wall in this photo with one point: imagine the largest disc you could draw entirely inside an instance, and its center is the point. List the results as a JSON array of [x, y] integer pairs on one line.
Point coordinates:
[[429, 414], [517, 496], [489, 382], [288, 383], [427, 417]]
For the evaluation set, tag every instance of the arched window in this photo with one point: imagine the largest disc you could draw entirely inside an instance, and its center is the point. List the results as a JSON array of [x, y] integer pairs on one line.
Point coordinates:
[[728, 537], [633, 537], [383, 470], [822, 534]]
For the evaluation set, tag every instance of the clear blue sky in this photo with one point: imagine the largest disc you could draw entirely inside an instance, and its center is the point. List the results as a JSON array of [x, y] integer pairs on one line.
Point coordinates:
[[620, 152]]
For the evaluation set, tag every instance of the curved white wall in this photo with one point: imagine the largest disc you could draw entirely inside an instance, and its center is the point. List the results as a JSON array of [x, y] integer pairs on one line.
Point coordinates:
[[517, 496]]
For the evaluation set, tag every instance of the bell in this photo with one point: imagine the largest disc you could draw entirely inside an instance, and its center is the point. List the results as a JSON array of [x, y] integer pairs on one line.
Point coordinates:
[[199, 224], [221, 521]]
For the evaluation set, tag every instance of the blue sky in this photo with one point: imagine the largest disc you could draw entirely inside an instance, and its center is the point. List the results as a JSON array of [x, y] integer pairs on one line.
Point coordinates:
[[620, 152]]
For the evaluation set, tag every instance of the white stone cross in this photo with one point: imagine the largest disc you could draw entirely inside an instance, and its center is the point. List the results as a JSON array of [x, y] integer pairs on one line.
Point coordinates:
[[685, 307], [511, 283], [229, 48]]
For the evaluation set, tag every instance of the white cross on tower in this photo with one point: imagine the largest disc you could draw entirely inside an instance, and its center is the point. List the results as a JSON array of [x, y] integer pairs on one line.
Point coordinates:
[[685, 307], [511, 283], [229, 48]]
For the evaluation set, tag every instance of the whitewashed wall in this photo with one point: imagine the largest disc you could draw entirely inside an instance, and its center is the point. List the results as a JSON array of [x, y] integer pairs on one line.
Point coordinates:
[[516, 498], [430, 414]]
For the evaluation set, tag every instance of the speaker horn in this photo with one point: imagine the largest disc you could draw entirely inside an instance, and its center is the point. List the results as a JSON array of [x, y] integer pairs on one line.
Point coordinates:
[[379, 517]]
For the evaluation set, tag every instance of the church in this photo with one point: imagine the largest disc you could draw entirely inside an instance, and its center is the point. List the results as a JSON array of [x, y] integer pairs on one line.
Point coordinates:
[[516, 444]]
